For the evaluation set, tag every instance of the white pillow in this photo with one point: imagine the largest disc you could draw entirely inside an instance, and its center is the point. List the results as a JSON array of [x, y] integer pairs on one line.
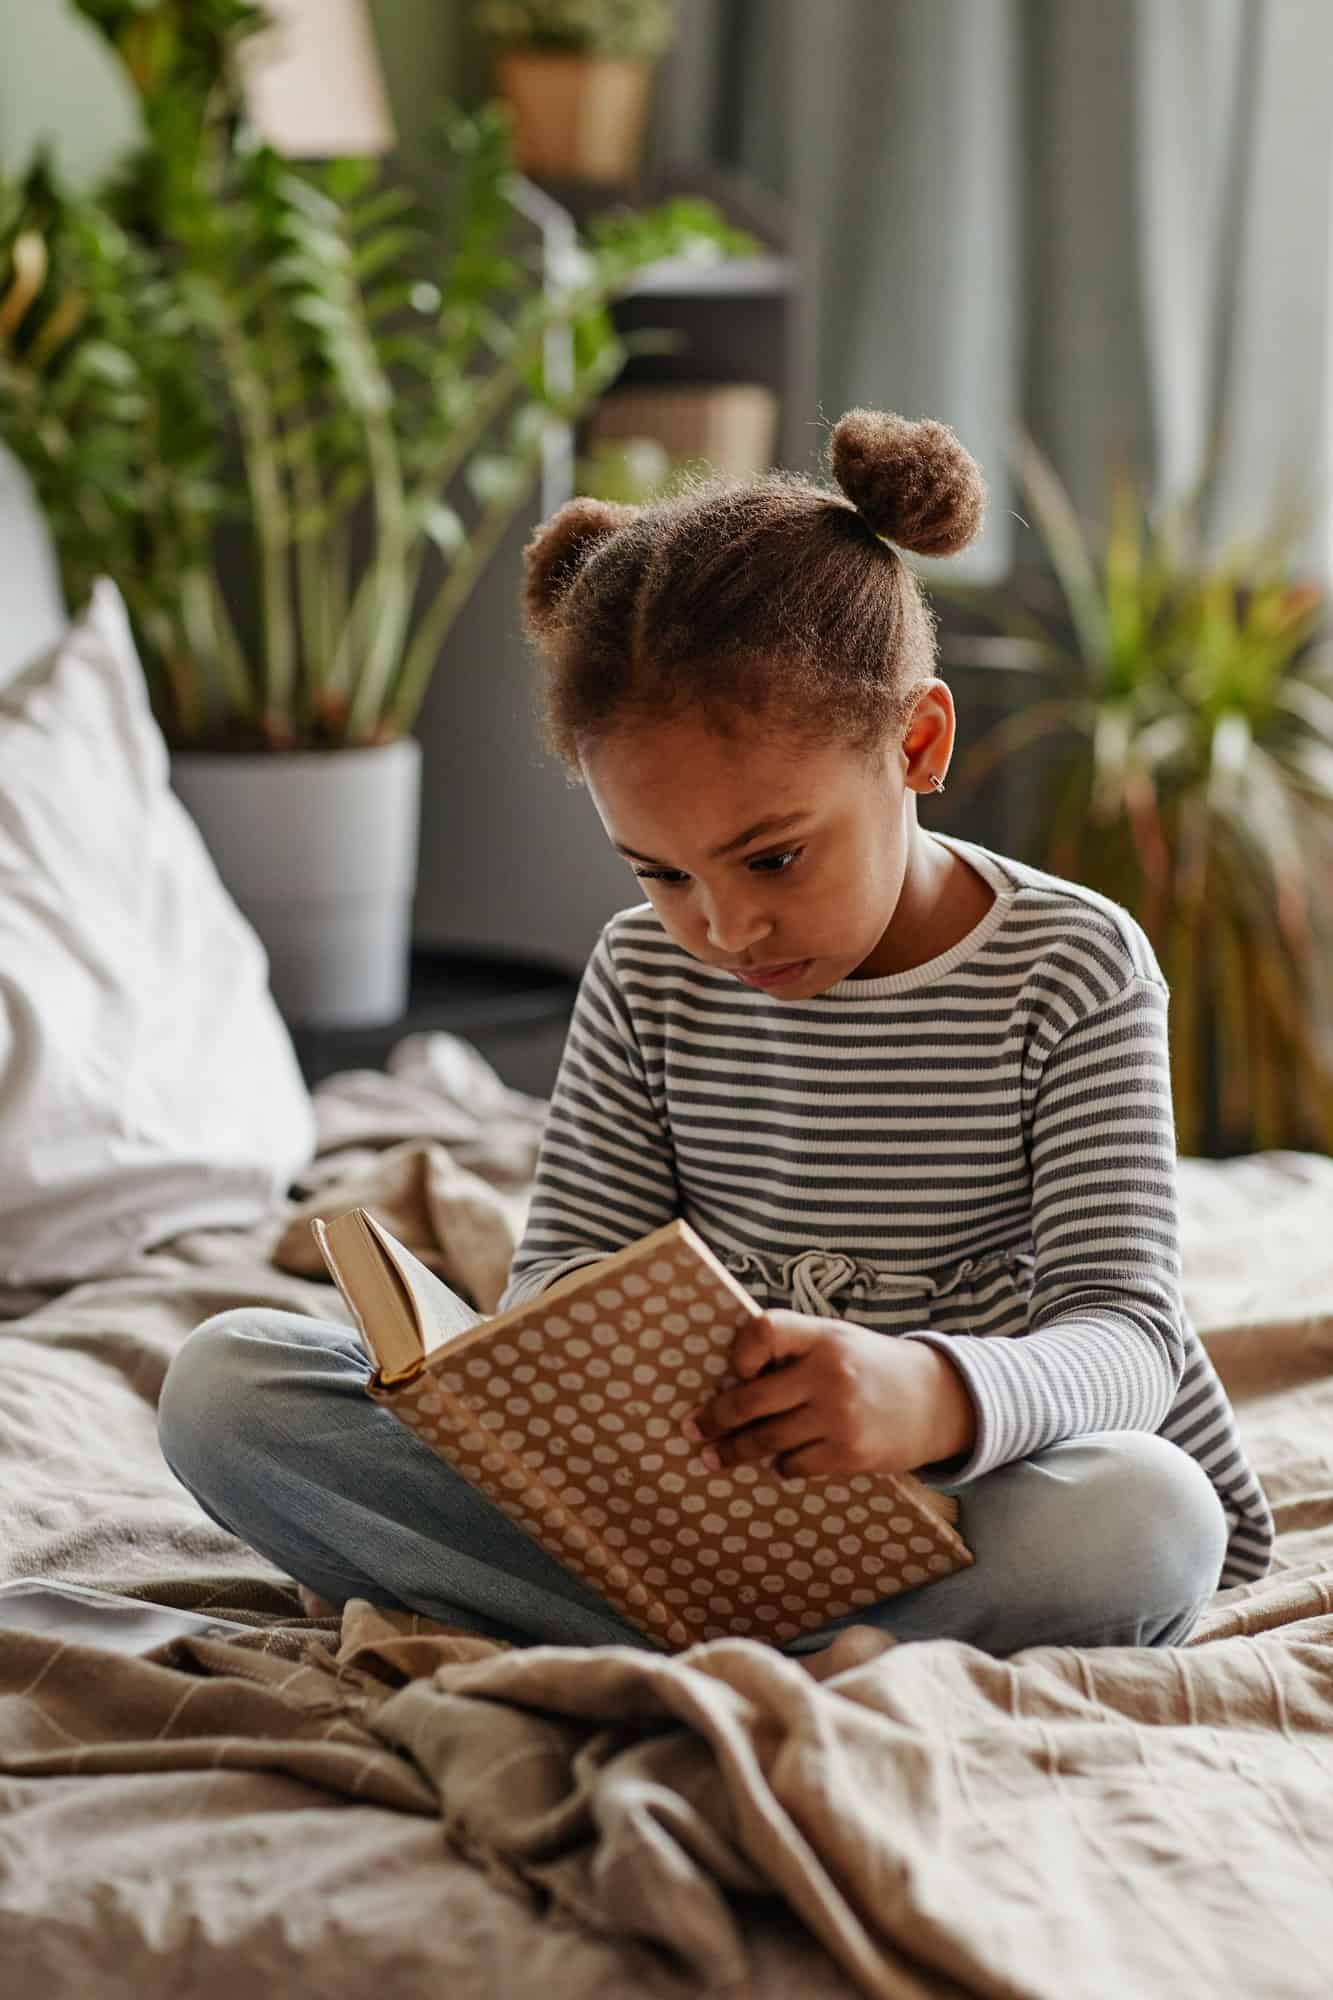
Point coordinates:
[[147, 1082], [32, 609]]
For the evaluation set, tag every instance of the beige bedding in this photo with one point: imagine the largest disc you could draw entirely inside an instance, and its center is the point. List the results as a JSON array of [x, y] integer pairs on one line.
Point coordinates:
[[377, 1806]]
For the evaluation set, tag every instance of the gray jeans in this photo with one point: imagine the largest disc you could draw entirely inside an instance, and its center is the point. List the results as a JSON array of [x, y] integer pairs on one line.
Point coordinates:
[[1111, 1540]]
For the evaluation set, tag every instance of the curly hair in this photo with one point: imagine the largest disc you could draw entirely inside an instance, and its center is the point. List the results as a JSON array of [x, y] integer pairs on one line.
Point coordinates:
[[738, 597]]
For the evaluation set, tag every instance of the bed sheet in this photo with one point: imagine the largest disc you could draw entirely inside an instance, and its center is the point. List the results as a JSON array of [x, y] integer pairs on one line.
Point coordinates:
[[377, 1803]]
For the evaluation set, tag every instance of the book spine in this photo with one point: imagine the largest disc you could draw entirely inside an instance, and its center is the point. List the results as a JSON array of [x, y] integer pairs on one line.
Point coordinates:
[[455, 1434]]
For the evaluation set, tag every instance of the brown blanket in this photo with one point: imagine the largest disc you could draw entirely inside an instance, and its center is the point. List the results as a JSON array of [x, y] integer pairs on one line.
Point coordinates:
[[890, 1820]]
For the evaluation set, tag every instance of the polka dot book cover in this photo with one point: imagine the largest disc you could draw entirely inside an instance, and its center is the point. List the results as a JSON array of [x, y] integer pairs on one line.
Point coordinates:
[[566, 1413]]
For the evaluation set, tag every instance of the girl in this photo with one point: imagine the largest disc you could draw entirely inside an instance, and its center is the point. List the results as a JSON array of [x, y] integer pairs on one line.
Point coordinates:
[[913, 1093]]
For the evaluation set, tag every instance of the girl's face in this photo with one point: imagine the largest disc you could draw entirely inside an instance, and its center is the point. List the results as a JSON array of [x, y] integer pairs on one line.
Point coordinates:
[[792, 867]]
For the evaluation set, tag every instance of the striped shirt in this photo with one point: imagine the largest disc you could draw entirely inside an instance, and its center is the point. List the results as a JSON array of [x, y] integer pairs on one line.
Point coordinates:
[[978, 1153]]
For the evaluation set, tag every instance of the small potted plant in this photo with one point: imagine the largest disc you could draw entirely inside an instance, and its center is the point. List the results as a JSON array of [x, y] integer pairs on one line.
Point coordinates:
[[1184, 705], [577, 77], [292, 417]]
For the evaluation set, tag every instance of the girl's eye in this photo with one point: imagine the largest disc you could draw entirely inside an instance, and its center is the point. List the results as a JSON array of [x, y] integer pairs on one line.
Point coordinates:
[[671, 878]]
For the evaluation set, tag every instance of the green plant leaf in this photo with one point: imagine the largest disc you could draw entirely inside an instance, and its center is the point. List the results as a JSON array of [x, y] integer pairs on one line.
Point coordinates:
[[346, 180], [1111, 735], [445, 528], [1127, 605], [494, 476], [1310, 765], [1229, 756], [110, 364], [1265, 820], [387, 248], [1068, 550], [1309, 704]]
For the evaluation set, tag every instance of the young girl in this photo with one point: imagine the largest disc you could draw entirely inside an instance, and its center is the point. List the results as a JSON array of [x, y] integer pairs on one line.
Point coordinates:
[[913, 1093]]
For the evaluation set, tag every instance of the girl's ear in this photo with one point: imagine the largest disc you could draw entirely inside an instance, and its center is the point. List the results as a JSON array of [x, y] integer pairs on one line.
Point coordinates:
[[927, 740], [560, 548]]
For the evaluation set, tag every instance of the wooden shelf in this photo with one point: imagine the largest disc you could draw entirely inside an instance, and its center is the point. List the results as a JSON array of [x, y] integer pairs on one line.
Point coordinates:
[[735, 316]]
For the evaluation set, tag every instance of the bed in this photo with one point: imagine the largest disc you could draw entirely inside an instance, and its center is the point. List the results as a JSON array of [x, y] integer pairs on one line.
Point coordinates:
[[373, 1803]]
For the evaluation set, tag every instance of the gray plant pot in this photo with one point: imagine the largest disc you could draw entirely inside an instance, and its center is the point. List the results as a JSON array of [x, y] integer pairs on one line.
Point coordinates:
[[319, 850]]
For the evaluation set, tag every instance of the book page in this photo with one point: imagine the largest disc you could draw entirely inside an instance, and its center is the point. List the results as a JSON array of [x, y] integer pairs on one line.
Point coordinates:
[[441, 1315]]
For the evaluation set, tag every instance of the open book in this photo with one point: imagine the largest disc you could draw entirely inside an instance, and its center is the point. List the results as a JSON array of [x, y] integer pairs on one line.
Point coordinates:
[[565, 1411]]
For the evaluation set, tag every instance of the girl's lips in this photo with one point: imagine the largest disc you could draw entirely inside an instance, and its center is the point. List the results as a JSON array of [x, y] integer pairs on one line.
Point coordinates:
[[778, 977]]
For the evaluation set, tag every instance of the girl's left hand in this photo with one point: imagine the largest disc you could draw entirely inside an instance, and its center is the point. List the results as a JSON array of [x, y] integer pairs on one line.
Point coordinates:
[[842, 1399]]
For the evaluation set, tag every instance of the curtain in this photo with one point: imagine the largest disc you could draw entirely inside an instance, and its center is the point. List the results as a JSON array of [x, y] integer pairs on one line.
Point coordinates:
[[1107, 219]]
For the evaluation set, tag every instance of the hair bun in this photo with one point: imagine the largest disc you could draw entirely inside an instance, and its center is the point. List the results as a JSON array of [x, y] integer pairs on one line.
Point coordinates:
[[912, 483], [560, 548]]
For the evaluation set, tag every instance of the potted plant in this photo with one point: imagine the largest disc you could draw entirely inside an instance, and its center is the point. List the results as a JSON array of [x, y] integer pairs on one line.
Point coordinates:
[[292, 421], [1187, 720], [577, 76]]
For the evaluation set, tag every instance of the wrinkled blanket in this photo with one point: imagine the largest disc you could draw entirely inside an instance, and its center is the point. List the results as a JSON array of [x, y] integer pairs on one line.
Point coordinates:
[[335, 1802]]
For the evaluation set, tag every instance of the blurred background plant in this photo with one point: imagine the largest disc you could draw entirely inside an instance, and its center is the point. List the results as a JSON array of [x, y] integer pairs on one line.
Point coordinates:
[[606, 27], [220, 341], [631, 471], [1187, 773]]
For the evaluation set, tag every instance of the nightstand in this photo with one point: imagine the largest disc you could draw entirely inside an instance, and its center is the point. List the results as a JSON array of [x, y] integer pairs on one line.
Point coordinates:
[[515, 1010]]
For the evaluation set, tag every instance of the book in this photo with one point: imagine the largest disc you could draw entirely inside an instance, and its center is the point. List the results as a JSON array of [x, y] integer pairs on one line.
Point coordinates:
[[565, 1412]]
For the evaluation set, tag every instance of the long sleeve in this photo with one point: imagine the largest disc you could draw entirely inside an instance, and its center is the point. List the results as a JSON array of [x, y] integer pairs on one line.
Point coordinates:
[[1105, 1346], [605, 1169]]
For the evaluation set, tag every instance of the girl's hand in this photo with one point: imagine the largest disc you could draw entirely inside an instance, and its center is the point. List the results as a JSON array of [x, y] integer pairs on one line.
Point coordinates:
[[836, 1399]]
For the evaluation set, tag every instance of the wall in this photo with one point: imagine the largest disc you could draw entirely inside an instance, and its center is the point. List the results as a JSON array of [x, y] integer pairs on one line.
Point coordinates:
[[59, 82], [429, 53]]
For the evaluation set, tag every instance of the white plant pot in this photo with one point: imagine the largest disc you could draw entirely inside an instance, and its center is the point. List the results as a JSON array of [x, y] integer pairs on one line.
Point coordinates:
[[318, 848]]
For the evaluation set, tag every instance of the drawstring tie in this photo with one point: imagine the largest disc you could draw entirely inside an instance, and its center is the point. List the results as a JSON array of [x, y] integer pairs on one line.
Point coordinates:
[[814, 1278]]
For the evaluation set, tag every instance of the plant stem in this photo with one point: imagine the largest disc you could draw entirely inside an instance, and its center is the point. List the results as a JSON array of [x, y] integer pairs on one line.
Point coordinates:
[[432, 629], [387, 577], [337, 563], [463, 439], [210, 635], [272, 527], [502, 383], [303, 463], [177, 668]]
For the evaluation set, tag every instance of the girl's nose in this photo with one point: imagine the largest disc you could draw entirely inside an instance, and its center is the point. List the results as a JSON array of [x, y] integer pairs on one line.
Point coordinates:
[[732, 928]]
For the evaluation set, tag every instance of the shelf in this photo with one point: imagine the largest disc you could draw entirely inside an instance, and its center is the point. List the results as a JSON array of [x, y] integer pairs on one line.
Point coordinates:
[[728, 277], [745, 204]]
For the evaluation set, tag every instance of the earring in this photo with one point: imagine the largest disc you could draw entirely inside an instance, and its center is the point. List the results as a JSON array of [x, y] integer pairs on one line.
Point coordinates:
[[936, 782]]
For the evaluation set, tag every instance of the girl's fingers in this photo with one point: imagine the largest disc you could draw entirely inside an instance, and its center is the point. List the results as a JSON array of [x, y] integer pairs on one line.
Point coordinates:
[[814, 1461], [750, 1403], [773, 1337], [763, 1442]]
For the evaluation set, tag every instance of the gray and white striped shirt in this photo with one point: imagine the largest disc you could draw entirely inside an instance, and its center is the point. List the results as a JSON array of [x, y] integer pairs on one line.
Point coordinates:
[[975, 1150]]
